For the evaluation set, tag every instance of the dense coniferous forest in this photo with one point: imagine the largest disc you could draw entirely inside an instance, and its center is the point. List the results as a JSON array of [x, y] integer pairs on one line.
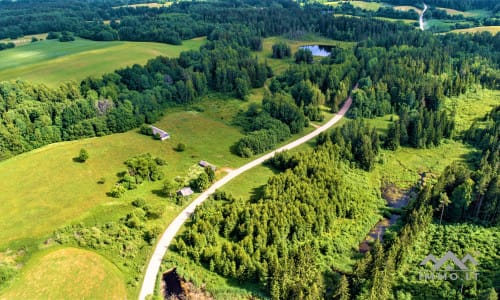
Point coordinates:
[[282, 239]]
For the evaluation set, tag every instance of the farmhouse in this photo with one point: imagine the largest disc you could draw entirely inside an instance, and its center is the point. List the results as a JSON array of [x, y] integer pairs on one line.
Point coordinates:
[[205, 164], [185, 191], [163, 134]]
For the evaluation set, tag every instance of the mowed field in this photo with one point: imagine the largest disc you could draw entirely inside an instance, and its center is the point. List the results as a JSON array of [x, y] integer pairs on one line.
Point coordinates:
[[492, 29], [52, 62], [68, 273], [361, 4]]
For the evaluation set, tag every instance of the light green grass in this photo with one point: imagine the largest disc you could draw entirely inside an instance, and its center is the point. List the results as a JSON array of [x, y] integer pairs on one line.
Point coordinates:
[[25, 39], [150, 5], [68, 273], [492, 29], [36, 184], [407, 8], [52, 62], [374, 6], [405, 21], [454, 12], [405, 165], [472, 106]]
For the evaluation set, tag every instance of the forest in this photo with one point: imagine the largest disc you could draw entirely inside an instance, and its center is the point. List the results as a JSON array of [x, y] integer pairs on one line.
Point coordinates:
[[419, 68], [289, 238]]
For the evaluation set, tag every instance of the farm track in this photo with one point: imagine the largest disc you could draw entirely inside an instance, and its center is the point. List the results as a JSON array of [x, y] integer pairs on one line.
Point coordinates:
[[168, 235]]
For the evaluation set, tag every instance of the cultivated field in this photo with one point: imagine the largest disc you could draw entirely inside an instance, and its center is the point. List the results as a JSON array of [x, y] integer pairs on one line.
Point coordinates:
[[150, 5], [492, 29], [25, 39], [407, 8], [361, 4], [68, 273], [52, 62]]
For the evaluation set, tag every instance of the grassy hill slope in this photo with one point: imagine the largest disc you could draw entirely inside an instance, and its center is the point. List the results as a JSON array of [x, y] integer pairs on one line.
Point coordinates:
[[52, 62]]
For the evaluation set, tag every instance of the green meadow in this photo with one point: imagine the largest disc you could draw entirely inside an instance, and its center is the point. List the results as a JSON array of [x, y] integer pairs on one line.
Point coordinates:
[[36, 184], [360, 4], [52, 62], [68, 273], [56, 183], [491, 29]]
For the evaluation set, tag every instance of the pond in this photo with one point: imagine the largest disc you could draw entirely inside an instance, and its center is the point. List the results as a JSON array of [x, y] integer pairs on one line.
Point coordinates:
[[319, 50]]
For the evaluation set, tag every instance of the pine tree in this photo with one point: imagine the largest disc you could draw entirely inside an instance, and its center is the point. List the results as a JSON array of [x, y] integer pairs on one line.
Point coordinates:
[[342, 292]]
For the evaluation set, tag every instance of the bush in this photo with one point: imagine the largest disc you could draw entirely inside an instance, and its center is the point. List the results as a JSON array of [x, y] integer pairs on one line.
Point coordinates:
[[139, 202], [117, 191], [146, 130], [83, 155], [53, 35], [160, 161], [181, 147], [66, 37]]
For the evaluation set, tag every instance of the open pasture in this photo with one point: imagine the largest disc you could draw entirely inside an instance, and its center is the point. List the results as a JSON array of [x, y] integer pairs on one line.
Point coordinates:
[[52, 62], [68, 273]]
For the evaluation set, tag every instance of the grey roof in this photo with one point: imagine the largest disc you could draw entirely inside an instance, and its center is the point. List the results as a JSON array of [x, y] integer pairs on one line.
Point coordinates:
[[185, 191], [163, 134]]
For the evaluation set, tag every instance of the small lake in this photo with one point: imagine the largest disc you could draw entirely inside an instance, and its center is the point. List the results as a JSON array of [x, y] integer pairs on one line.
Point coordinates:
[[319, 50]]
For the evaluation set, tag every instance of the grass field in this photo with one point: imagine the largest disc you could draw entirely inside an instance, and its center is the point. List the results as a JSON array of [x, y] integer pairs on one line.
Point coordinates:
[[472, 106], [25, 39], [492, 29], [150, 5], [407, 8], [52, 62], [59, 184], [374, 6], [68, 273], [454, 12]]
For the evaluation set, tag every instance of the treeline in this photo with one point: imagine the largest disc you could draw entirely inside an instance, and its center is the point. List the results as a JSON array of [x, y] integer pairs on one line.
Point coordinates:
[[462, 5], [35, 115], [473, 194], [356, 141], [420, 129], [282, 239], [375, 275], [9, 45]]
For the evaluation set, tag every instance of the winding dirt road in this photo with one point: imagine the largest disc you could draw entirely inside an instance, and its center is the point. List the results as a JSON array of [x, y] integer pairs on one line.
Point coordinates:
[[148, 284]]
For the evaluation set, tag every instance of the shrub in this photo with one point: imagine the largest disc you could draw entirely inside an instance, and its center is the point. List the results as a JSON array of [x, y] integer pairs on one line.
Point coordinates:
[[181, 147], [83, 155]]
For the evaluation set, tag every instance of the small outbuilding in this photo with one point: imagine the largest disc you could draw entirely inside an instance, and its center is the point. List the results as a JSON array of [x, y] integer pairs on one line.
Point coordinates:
[[205, 164], [162, 133], [185, 191]]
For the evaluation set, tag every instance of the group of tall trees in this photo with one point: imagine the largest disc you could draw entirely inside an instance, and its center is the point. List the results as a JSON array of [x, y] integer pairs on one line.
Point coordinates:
[[280, 239], [34, 115], [422, 129]]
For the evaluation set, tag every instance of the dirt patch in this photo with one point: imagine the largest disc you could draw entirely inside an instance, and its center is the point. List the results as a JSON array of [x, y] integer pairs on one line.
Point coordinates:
[[176, 288], [226, 169]]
